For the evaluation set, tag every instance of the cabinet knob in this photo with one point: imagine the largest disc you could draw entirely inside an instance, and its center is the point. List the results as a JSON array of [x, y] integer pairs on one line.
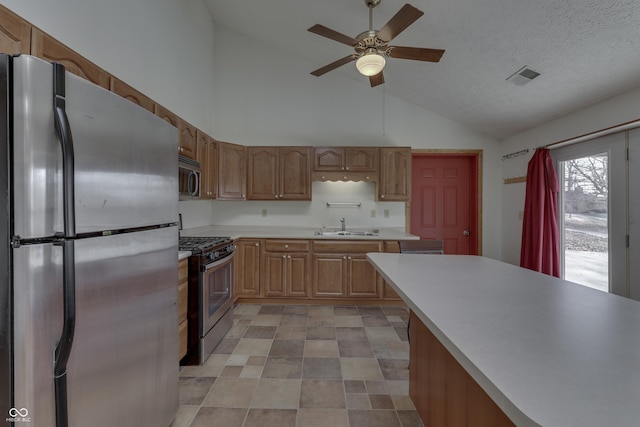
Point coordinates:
[[347, 168], [368, 178], [344, 257], [348, 257], [345, 178], [382, 196], [286, 246], [257, 244], [288, 256], [276, 196], [342, 168], [284, 256], [323, 177], [281, 196]]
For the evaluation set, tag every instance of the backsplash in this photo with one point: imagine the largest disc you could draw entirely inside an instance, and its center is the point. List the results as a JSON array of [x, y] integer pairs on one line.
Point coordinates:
[[313, 213]]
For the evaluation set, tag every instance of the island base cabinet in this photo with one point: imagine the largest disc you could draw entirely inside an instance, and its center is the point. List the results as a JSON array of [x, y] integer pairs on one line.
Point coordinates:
[[443, 393]]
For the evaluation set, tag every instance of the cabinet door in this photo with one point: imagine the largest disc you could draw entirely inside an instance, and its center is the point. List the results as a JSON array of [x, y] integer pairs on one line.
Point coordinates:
[[119, 87], [362, 278], [231, 171], [247, 268], [395, 174], [208, 159], [274, 275], [328, 159], [46, 47], [188, 140], [262, 173], [298, 275], [211, 175], [15, 33], [329, 275], [361, 159], [294, 173]]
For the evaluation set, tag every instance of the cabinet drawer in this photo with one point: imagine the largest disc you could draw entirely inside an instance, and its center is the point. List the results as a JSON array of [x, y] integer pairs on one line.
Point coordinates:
[[183, 294], [339, 246], [182, 339], [286, 245], [183, 270]]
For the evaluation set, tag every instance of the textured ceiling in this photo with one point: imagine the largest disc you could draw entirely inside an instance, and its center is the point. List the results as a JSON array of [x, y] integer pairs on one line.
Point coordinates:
[[585, 50]]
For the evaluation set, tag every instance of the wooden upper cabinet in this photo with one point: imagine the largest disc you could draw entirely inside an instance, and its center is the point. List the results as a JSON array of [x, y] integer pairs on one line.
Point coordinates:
[[328, 159], [188, 140], [46, 47], [124, 90], [294, 173], [278, 173], [262, 173], [395, 174], [347, 159], [361, 159], [167, 115], [208, 159], [15, 33], [231, 171]]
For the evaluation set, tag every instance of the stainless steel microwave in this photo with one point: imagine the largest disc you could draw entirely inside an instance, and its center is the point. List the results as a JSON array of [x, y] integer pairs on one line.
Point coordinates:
[[189, 178]]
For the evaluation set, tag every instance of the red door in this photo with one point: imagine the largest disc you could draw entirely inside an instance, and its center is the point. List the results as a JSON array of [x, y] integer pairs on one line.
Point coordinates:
[[444, 200]]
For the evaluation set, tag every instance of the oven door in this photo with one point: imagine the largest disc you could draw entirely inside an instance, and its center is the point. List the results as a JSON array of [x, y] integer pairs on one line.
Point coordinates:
[[216, 292]]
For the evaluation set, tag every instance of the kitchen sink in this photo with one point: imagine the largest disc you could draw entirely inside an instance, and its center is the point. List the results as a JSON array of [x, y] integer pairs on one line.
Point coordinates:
[[346, 233]]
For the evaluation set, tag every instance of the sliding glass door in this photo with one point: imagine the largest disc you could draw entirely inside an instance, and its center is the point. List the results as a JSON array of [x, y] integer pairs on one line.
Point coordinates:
[[593, 212]]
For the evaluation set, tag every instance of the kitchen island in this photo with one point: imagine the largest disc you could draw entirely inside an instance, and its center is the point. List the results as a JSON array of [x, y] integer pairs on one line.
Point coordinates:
[[548, 352]]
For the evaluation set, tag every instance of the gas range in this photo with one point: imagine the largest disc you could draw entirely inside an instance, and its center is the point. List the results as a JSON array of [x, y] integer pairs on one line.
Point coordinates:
[[199, 245]]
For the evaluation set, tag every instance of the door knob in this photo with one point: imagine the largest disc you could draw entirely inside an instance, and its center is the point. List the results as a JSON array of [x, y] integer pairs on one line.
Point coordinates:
[[466, 232]]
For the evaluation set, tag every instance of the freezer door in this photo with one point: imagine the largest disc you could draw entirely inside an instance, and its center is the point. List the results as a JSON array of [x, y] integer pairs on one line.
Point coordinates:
[[37, 324], [123, 368], [126, 158]]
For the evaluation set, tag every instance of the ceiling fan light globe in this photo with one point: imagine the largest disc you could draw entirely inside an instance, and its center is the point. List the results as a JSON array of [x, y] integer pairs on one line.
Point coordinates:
[[370, 64]]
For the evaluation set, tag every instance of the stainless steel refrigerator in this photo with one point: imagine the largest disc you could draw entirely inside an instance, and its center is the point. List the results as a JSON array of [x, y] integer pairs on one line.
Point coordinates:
[[88, 262]]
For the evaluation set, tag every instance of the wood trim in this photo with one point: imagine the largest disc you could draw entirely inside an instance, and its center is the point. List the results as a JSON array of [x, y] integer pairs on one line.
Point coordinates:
[[478, 155]]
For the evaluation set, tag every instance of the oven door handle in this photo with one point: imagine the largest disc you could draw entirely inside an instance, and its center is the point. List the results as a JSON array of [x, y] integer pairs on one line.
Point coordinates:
[[218, 263]]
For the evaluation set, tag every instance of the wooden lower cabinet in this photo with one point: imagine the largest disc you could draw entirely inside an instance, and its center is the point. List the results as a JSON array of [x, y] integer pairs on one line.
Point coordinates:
[[183, 296], [246, 282], [441, 389], [341, 269], [285, 274]]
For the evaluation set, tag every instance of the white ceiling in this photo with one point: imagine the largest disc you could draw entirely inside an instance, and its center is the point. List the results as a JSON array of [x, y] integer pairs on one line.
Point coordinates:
[[585, 50]]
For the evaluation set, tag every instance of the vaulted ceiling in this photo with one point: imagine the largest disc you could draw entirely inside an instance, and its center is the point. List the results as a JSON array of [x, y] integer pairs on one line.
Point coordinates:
[[584, 50]]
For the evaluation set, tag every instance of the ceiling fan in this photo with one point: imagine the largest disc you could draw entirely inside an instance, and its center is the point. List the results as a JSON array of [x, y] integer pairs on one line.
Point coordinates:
[[371, 47]]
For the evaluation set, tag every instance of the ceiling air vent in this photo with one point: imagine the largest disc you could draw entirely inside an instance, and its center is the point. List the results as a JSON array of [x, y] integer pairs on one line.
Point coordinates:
[[523, 76]]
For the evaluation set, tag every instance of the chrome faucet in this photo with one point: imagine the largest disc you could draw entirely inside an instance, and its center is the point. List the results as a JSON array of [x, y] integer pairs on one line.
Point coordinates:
[[344, 226]]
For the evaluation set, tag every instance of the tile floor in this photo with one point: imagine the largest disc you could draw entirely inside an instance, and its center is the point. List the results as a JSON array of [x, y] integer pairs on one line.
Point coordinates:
[[304, 366]]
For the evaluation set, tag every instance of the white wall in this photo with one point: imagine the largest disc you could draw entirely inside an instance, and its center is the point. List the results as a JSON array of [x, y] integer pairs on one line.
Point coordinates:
[[163, 48], [313, 213], [266, 96], [605, 114]]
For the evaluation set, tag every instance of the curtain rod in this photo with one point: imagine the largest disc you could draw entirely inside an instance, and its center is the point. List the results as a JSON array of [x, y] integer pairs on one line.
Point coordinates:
[[592, 135]]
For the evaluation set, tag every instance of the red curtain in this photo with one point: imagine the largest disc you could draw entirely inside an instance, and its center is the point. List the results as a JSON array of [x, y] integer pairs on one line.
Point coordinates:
[[540, 235]]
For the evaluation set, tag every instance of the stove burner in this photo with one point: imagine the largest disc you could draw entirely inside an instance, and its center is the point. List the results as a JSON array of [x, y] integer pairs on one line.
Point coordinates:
[[199, 245]]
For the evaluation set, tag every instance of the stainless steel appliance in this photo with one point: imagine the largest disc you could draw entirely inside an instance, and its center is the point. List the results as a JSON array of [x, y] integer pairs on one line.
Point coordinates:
[[88, 253], [188, 178], [210, 305]]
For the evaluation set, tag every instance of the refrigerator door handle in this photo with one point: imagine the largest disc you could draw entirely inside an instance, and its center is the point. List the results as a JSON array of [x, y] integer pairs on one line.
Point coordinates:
[[63, 349], [63, 130]]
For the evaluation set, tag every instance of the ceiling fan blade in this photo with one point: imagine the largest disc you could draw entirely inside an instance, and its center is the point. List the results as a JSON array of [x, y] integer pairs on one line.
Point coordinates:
[[406, 16], [416, 53], [334, 65], [376, 80], [321, 30]]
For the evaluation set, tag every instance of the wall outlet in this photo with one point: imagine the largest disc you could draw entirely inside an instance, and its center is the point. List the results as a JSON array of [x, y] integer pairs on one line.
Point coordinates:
[[373, 213], [386, 213], [520, 215], [264, 212]]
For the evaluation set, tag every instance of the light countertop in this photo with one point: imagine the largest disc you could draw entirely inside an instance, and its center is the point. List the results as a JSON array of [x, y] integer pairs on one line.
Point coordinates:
[[183, 254], [547, 351], [272, 232]]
